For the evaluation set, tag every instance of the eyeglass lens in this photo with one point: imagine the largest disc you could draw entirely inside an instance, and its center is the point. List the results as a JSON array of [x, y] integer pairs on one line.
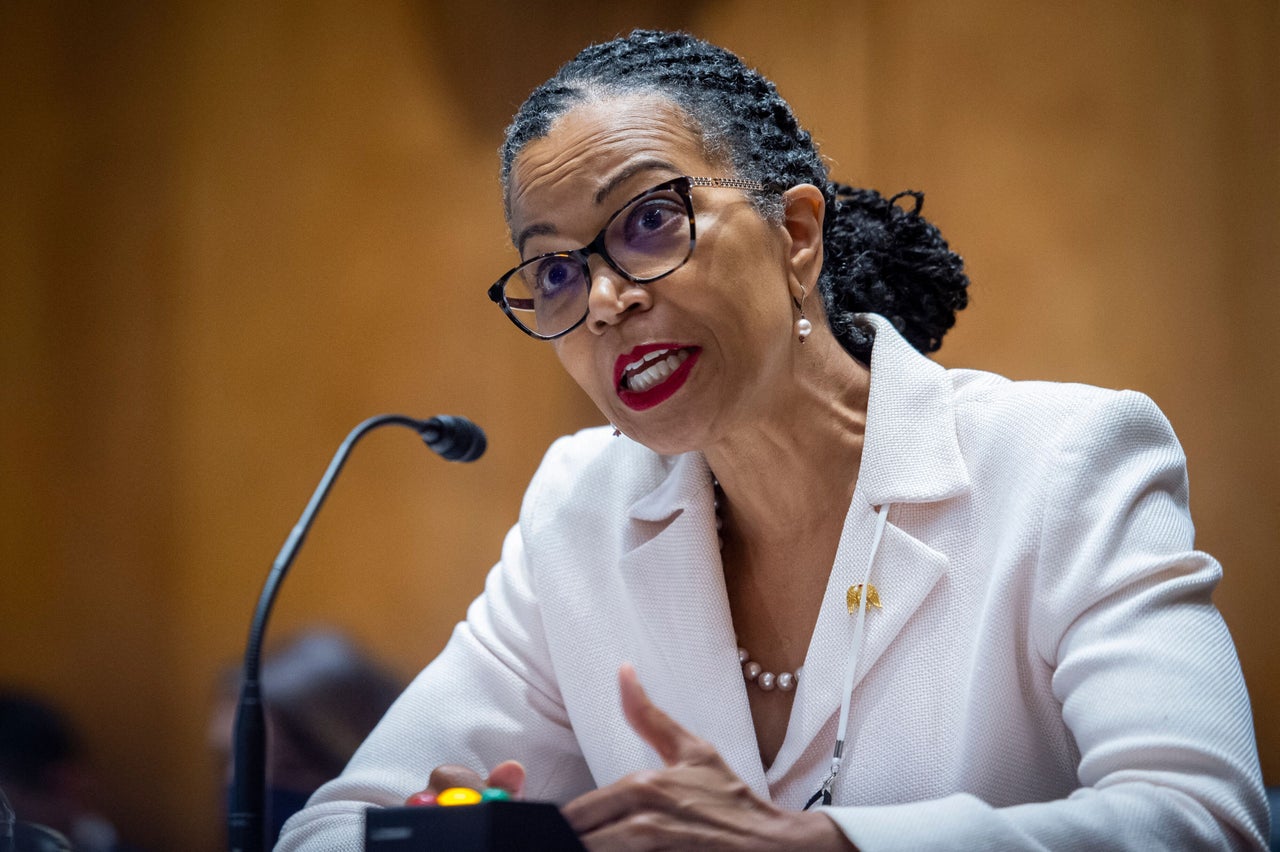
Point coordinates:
[[645, 240]]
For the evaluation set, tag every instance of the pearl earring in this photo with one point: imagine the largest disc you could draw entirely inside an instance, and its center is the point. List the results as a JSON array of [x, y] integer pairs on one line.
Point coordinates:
[[803, 326]]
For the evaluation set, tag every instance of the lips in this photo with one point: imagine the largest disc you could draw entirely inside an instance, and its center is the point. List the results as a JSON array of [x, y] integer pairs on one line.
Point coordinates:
[[648, 375]]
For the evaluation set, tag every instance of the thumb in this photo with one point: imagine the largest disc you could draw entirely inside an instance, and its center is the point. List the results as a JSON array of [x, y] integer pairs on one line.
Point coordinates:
[[667, 737], [508, 775]]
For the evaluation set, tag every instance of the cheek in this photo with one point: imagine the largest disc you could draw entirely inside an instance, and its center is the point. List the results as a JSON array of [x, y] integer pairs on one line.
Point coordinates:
[[751, 285], [575, 356]]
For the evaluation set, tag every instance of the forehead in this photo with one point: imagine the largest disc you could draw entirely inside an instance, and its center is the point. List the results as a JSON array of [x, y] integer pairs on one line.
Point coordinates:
[[601, 150]]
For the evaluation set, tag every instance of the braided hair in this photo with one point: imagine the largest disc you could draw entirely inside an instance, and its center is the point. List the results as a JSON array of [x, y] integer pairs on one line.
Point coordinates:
[[878, 256]]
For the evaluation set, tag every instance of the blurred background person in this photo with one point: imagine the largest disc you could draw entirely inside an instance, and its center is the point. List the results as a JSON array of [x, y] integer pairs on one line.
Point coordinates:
[[322, 695], [46, 775]]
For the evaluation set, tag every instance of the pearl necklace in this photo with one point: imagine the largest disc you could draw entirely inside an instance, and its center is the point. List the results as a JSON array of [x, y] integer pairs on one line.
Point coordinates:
[[751, 670], [754, 672]]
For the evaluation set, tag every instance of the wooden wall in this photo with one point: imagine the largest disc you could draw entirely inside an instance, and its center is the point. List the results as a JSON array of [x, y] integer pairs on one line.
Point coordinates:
[[230, 231]]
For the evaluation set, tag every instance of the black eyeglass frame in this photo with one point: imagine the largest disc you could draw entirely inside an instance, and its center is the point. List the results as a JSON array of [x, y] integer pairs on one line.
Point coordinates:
[[681, 186]]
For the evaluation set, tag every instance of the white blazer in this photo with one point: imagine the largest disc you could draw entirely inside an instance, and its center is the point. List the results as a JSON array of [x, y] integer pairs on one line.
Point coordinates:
[[1047, 670]]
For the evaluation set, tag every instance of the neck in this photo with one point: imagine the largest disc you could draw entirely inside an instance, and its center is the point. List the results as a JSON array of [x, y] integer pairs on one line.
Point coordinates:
[[789, 461]]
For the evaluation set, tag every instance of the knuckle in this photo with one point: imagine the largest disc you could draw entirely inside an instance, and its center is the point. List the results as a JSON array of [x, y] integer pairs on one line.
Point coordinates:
[[646, 788], [702, 752], [647, 825], [452, 775], [645, 777]]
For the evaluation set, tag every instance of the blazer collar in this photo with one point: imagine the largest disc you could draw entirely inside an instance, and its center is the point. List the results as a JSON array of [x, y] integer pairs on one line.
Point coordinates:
[[687, 481], [911, 453]]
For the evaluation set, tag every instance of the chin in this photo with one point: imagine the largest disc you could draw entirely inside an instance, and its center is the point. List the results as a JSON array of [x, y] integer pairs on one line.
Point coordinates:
[[664, 440], [663, 428]]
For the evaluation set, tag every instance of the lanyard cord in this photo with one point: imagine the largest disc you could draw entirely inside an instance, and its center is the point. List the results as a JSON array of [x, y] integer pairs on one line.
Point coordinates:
[[851, 666]]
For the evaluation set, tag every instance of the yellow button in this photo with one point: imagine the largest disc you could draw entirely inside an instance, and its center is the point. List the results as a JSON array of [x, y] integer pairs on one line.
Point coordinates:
[[458, 796]]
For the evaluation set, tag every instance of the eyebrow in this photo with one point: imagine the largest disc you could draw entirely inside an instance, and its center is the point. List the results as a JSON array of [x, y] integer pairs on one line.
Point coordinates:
[[535, 230], [539, 229], [629, 172]]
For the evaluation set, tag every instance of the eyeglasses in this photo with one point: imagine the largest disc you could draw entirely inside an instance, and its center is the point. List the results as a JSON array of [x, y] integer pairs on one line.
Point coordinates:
[[650, 237]]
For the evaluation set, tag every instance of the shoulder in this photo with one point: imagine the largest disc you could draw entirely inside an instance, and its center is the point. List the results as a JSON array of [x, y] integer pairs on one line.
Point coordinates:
[[570, 454], [1058, 422]]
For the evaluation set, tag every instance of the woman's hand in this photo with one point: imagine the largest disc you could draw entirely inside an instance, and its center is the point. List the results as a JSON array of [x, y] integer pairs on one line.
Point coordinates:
[[508, 776], [695, 802]]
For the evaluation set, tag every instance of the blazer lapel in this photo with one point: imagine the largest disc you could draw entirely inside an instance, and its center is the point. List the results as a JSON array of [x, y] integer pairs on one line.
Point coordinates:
[[687, 659], [904, 572], [910, 455]]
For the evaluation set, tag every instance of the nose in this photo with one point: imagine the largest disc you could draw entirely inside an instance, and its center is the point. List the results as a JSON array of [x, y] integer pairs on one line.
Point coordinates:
[[612, 297]]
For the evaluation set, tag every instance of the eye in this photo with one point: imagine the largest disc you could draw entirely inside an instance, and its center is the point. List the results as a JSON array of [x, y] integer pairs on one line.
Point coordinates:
[[655, 219], [553, 276]]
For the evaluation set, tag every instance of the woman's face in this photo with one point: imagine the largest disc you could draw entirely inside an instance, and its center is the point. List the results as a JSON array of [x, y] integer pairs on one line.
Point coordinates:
[[681, 362]]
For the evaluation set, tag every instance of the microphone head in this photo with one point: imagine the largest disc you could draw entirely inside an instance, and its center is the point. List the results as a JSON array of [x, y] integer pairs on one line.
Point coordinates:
[[454, 438]]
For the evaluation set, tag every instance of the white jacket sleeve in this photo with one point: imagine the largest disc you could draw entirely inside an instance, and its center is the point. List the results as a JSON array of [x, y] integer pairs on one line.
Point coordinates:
[[1142, 662], [490, 696]]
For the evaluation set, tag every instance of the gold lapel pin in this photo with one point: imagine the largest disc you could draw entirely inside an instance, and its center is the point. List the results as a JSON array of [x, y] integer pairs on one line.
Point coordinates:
[[854, 597]]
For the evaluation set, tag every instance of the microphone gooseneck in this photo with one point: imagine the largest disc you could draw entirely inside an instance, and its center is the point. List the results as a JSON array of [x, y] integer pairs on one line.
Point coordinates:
[[453, 438]]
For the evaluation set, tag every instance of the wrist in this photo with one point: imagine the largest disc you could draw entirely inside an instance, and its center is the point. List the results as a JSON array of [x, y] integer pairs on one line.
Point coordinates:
[[814, 830]]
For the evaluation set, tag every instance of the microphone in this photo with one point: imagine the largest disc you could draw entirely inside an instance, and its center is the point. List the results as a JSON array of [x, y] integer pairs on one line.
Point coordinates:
[[452, 438]]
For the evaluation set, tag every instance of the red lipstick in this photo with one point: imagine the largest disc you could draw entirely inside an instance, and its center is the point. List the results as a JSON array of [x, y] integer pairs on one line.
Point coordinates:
[[639, 400]]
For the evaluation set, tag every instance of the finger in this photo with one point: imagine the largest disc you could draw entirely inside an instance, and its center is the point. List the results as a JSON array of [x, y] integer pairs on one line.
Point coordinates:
[[444, 777], [667, 737], [649, 831], [634, 794], [508, 775]]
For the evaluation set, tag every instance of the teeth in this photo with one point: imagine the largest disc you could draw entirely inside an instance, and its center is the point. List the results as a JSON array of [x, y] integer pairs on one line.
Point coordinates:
[[646, 360], [652, 369]]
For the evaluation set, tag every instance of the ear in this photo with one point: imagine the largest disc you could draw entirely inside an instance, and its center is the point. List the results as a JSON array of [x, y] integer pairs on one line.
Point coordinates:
[[803, 214]]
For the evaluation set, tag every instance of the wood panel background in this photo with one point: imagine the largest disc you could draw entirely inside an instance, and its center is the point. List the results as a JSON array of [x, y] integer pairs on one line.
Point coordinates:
[[230, 231]]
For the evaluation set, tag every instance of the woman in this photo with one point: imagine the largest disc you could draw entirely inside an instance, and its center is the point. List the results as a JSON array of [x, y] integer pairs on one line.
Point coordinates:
[[948, 609]]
